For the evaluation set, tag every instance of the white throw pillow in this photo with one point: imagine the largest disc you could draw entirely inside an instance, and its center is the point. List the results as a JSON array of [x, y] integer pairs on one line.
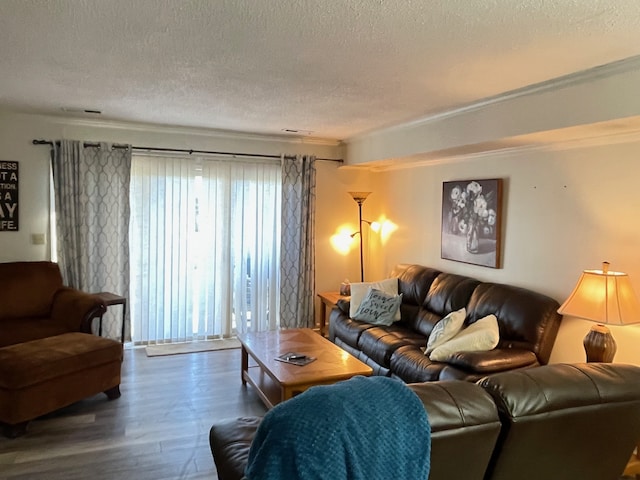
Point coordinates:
[[359, 290], [446, 329], [480, 336]]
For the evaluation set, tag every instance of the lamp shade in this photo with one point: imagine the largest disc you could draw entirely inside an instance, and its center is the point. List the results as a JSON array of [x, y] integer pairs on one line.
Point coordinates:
[[604, 297], [359, 197]]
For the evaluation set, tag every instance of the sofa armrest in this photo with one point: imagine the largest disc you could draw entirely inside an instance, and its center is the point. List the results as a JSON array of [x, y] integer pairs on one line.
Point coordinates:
[[344, 305], [496, 360], [76, 309]]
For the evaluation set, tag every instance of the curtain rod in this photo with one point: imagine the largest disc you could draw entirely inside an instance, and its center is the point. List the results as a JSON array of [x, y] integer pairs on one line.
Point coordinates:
[[184, 150]]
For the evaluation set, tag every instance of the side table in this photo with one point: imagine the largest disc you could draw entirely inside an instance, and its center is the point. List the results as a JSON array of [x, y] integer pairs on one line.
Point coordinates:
[[328, 300], [633, 467], [109, 299]]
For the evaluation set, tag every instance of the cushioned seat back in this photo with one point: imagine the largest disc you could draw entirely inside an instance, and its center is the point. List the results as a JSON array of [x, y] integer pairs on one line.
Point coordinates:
[[27, 288], [464, 428], [565, 422], [414, 282], [447, 293], [528, 320]]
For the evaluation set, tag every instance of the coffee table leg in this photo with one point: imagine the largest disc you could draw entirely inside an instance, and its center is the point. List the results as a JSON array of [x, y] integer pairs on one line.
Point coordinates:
[[244, 364]]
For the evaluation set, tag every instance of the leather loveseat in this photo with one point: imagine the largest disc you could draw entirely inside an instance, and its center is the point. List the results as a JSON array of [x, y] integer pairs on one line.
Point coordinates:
[[528, 324], [557, 422]]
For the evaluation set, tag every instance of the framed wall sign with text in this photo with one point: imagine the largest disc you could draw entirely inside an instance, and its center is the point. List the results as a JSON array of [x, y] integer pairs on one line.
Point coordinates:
[[9, 213]]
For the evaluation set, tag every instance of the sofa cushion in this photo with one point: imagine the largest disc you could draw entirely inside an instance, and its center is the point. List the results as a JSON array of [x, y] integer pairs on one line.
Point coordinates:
[[411, 365], [481, 336], [348, 330], [19, 330], [378, 343], [446, 329], [378, 307]]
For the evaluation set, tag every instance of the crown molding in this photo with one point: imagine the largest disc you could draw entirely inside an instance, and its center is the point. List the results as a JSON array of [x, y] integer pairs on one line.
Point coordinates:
[[573, 79], [592, 141]]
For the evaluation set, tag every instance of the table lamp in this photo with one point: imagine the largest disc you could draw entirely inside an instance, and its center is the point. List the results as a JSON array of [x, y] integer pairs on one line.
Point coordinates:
[[604, 297]]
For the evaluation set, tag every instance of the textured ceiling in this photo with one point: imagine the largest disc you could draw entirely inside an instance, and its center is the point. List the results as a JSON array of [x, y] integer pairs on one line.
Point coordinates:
[[335, 68]]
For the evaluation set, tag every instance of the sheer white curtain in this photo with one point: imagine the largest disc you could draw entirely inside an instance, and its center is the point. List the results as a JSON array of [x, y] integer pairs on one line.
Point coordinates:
[[205, 247]]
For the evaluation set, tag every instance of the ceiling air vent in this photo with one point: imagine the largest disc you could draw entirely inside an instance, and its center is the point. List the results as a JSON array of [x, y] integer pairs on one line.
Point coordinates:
[[297, 131], [89, 111]]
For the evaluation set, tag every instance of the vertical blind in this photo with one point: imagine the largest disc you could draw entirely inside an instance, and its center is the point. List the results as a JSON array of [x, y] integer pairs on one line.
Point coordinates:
[[205, 236]]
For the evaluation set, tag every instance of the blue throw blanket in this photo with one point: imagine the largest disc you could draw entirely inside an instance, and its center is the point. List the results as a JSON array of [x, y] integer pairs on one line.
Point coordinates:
[[360, 429]]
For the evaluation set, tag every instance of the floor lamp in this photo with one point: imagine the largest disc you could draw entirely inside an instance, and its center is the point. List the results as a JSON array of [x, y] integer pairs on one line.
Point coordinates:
[[360, 197]]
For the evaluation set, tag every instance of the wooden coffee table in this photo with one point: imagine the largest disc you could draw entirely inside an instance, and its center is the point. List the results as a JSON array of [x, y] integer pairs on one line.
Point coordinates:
[[277, 381]]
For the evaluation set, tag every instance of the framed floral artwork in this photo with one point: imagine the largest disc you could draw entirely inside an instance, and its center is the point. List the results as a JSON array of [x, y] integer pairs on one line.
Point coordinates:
[[471, 221]]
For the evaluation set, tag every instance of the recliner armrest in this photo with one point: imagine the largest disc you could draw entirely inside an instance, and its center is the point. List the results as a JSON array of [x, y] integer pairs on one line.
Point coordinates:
[[464, 424], [344, 305], [492, 361], [76, 309]]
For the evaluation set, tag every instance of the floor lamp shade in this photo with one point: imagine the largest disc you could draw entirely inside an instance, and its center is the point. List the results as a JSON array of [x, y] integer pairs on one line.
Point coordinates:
[[606, 298]]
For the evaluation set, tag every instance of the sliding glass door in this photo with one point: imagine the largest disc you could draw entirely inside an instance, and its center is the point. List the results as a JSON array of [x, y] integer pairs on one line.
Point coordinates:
[[205, 238]]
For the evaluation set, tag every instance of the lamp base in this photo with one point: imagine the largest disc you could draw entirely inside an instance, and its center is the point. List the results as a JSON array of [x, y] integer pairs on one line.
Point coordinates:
[[599, 345]]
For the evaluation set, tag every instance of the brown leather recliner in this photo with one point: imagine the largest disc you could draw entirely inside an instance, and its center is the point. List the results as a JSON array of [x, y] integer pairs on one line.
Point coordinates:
[[463, 420], [35, 304], [565, 421], [557, 422]]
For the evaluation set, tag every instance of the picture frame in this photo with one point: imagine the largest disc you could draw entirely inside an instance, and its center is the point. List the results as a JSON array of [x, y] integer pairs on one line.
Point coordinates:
[[471, 229], [9, 205]]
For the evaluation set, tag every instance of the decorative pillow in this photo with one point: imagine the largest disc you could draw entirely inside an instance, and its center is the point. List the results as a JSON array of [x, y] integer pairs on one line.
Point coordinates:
[[446, 329], [359, 290], [378, 307], [480, 336]]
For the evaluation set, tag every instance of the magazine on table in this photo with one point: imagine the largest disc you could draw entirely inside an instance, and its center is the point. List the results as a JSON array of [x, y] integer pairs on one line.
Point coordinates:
[[295, 358]]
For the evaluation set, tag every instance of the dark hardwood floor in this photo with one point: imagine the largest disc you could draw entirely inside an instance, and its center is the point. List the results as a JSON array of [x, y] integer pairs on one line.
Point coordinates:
[[158, 429]]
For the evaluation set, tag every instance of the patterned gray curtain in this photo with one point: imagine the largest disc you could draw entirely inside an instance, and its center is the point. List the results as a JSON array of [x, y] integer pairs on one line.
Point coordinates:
[[91, 188], [297, 250]]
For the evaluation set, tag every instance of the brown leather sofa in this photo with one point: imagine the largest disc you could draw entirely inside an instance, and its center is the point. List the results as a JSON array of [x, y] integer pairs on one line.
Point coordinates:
[[35, 304], [528, 323], [557, 422]]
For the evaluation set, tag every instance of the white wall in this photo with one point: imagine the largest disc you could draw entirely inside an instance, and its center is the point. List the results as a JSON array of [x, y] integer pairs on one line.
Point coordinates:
[[565, 210]]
